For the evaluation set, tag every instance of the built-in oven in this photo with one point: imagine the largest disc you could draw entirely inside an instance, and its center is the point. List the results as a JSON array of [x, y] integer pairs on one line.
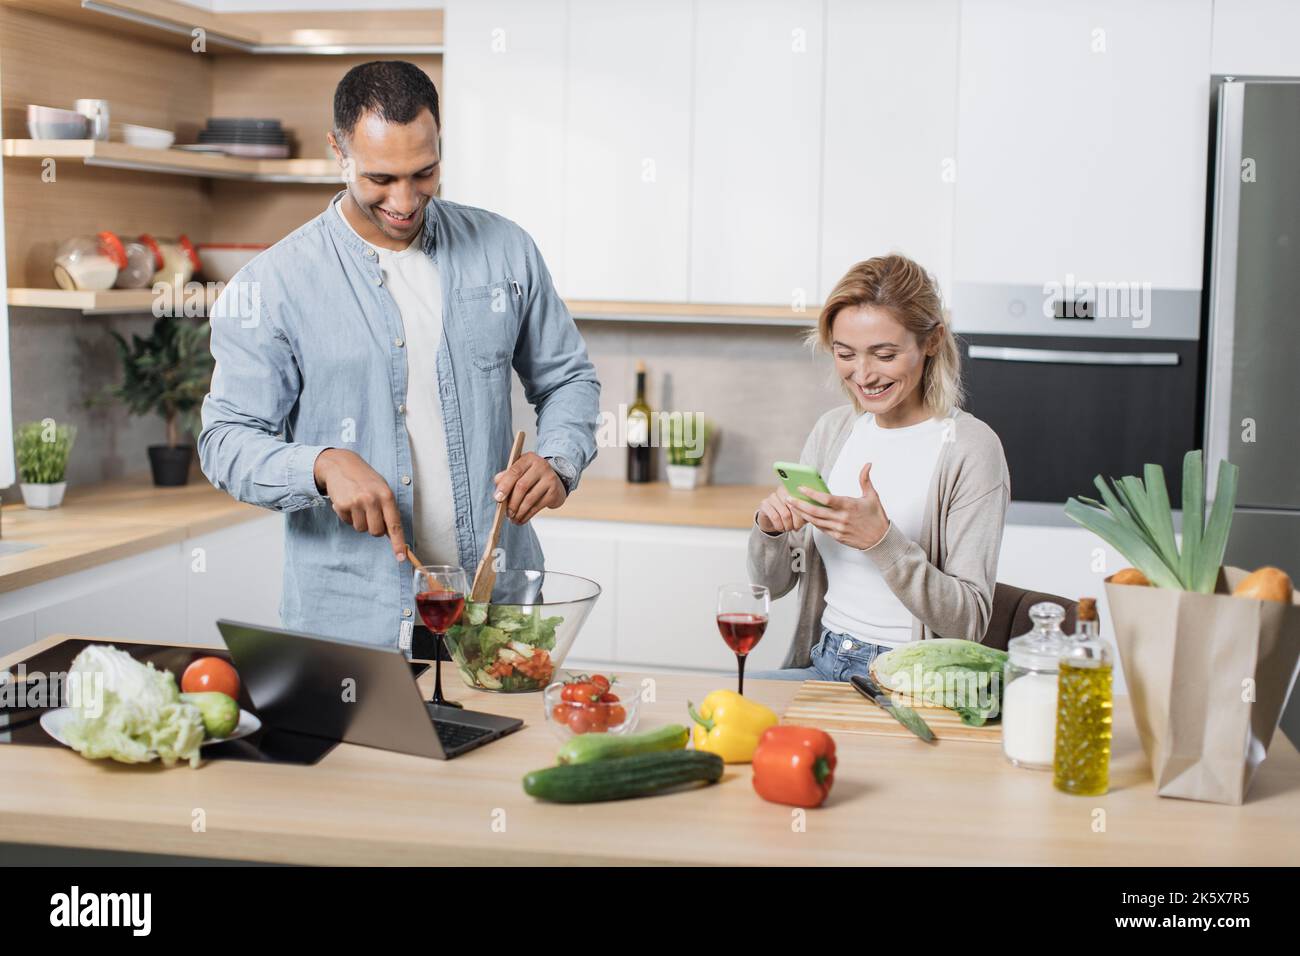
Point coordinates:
[[1084, 381]]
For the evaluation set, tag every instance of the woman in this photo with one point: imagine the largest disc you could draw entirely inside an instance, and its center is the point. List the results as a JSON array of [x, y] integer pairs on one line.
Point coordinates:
[[905, 546]]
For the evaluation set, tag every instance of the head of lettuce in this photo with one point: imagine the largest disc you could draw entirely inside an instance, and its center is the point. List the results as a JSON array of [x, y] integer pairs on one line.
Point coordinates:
[[138, 716]]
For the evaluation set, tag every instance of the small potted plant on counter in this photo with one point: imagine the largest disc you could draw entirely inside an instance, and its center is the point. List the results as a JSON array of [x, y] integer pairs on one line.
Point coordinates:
[[688, 437], [168, 373], [41, 451]]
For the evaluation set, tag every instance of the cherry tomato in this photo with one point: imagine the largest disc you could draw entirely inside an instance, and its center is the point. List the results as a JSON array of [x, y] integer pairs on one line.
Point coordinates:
[[210, 674], [561, 713], [609, 698], [580, 691], [616, 715], [580, 720], [601, 682]]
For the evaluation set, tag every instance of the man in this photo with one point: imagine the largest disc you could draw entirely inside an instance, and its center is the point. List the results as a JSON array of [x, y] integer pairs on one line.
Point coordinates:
[[377, 341]]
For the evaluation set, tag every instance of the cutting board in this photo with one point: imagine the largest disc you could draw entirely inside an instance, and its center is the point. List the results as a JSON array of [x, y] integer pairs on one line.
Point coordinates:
[[838, 708]]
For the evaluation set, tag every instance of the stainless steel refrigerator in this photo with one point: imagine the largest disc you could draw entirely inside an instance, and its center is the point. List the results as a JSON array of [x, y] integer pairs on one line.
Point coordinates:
[[1252, 414]]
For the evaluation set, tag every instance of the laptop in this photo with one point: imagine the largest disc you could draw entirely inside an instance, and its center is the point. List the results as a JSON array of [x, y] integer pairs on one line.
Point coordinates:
[[358, 693]]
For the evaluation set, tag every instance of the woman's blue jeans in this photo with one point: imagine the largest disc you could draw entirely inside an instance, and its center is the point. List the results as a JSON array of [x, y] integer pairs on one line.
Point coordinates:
[[836, 657]]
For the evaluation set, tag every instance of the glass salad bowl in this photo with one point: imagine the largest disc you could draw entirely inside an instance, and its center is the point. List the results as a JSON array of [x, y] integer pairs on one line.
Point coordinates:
[[517, 641]]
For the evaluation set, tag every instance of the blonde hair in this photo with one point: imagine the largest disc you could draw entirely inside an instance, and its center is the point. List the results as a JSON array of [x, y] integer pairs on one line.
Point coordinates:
[[912, 297]]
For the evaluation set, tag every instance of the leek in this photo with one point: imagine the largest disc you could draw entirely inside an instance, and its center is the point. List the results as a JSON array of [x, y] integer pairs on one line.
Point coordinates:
[[1134, 517]]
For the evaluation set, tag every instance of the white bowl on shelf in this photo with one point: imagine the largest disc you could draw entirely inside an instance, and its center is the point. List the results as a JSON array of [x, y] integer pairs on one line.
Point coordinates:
[[147, 137], [221, 260], [46, 122]]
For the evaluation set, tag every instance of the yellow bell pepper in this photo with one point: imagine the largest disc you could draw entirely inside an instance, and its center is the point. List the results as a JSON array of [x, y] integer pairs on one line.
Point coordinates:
[[729, 725]]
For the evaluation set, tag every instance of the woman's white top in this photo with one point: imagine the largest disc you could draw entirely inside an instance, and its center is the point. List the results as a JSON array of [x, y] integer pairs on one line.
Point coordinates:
[[858, 602]]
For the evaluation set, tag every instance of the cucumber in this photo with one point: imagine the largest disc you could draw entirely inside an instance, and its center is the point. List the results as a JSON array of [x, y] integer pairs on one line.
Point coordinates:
[[584, 748], [619, 778]]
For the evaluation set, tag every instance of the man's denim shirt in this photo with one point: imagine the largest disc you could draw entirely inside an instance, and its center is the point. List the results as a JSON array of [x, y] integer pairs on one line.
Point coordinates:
[[311, 354]]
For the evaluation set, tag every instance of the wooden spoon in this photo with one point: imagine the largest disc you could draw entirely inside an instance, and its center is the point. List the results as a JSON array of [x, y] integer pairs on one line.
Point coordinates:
[[485, 577]]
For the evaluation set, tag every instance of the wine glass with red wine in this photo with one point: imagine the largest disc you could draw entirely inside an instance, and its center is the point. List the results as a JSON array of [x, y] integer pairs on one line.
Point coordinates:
[[742, 619], [440, 598]]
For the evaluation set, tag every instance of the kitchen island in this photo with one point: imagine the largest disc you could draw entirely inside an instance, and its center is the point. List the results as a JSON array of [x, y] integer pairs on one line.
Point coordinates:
[[895, 801]]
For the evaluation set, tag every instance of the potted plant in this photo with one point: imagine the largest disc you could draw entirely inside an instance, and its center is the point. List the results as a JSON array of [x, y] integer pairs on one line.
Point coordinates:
[[168, 373], [41, 450], [688, 435]]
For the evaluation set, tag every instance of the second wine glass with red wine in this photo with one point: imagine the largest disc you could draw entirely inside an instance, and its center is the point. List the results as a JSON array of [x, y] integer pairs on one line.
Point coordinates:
[[742, 619], [440, 598]]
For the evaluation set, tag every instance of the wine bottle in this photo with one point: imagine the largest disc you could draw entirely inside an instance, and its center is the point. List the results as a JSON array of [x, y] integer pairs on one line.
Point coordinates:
[[639, 468]]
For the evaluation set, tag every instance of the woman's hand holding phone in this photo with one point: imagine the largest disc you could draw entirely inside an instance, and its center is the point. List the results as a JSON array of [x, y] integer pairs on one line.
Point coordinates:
[[775, 514], [854, 522]]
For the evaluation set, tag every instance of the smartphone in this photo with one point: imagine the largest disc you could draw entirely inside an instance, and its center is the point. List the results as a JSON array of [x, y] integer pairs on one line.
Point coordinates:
[[793, 474]]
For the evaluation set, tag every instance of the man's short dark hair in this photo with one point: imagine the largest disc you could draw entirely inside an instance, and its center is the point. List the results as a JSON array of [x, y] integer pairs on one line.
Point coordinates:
[[395, 90]]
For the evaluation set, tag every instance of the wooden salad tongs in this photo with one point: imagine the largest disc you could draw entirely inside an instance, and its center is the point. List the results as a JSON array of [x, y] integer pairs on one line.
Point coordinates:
[[485, 576]]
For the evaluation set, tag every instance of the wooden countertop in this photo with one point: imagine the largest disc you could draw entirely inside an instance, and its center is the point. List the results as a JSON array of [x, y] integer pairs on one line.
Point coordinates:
[[105, 522], [709, 506], [895, 801]]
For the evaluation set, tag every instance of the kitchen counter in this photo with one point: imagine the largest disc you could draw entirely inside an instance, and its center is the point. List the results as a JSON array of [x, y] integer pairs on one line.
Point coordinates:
[[895, 801], [709, 506], [105, 522]]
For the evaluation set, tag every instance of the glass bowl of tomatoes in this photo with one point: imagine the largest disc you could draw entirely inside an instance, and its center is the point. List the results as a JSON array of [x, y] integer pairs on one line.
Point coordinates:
[[589, 704]]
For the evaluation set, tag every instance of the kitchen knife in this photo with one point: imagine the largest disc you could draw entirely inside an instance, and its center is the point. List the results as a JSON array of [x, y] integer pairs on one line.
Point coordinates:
[[906, 716]]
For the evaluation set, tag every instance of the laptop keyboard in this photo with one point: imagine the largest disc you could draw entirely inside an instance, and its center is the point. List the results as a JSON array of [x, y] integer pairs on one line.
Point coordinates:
[[458, 735]]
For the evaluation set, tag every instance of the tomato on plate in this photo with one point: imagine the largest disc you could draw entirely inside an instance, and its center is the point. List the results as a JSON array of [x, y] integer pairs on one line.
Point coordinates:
[[210, 674]]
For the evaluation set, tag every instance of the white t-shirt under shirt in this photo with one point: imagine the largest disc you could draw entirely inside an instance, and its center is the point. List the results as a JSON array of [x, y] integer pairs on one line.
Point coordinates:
[[412, 280], [858, 601]]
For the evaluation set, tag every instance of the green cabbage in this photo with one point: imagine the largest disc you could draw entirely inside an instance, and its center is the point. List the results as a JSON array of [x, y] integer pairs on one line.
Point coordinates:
[[960, 675], [129, 712]]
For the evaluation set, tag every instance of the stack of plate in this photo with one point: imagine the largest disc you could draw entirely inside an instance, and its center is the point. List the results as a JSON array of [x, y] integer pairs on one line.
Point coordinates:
[[250, 138]]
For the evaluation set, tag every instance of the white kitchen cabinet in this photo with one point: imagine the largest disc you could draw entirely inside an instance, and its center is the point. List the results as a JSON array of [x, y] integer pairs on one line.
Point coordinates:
[[16, 631], [234, 573], [889, 147], [627, 150], [1070, 562], [1082, 140], [587, 550], [170, 595], [660, 585], [141, 597], [756, 161], [503, 142]]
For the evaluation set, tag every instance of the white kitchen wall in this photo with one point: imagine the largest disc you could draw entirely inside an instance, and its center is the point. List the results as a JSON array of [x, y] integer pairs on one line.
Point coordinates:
[[1256, 38]]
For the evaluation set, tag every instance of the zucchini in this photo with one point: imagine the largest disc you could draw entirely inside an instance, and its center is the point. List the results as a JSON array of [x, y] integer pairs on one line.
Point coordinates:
[[619, 778], [584, 748]]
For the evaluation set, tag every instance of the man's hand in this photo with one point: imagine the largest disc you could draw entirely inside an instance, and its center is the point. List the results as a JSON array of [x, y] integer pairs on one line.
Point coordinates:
[[528, 486], [360, 496], [855, 522]]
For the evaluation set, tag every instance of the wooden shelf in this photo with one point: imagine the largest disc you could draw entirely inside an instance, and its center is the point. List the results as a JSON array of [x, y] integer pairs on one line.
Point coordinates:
[[114, 301], [175, 161], [693, 313], [317, 32], [141, 300]]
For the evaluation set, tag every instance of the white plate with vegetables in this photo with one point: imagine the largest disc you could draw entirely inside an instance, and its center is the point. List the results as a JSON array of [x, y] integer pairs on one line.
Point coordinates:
[[131, 712], [54, 722]]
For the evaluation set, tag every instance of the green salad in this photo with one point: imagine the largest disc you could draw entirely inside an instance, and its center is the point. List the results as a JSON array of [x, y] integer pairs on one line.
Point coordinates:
[[500, 647]]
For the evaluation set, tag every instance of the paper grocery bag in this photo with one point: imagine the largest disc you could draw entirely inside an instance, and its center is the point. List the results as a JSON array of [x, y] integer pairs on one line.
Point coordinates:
[[1208, 677]]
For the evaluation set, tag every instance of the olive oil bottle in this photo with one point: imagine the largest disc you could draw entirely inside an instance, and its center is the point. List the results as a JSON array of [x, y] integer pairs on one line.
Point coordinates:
[[1083, 710]]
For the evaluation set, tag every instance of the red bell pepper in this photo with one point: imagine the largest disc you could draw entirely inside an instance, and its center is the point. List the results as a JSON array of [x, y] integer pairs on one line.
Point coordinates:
[[794, 765]]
